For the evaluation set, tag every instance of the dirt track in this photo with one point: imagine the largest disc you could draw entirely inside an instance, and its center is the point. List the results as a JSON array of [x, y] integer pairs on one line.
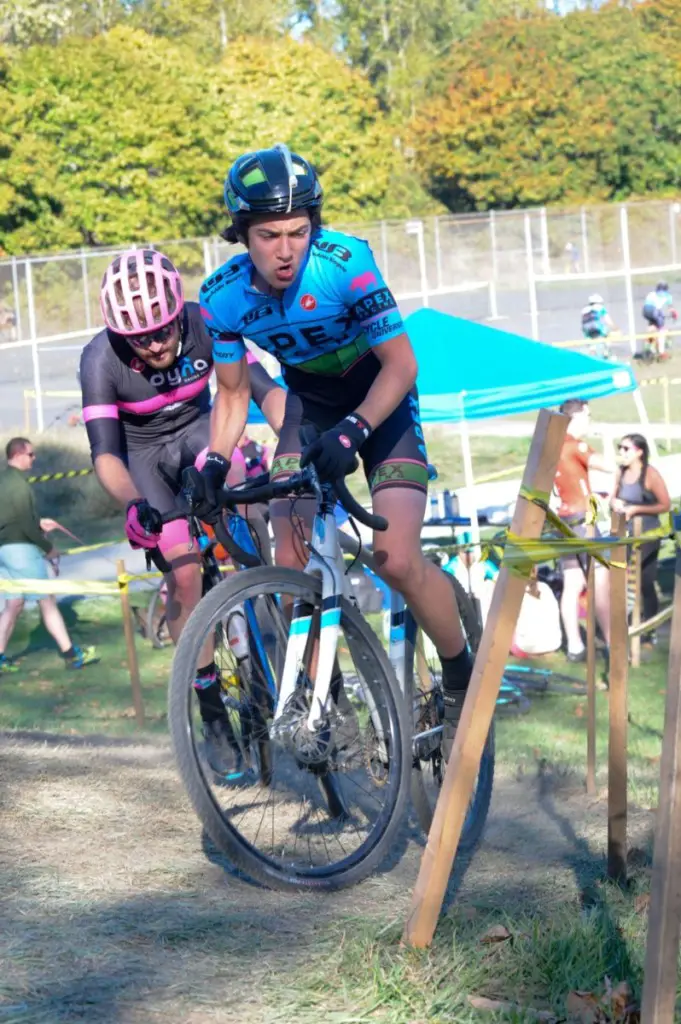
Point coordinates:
[[116, 911]]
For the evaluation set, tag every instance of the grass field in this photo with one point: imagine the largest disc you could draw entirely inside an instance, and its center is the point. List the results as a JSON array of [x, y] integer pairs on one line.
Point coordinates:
[[117, 910], [520, 930]]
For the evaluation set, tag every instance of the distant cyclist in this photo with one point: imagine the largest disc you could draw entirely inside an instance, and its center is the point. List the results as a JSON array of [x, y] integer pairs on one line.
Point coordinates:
[[657, 306], [146, 407], [315, 299], [597, 325]]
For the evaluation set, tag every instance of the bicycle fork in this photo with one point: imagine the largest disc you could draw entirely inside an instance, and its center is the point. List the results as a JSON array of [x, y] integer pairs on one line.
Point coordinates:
[[322, 563]]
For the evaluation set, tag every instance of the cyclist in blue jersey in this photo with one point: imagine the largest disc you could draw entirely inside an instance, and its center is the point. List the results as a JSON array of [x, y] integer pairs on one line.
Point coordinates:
[[146, 407], [316, 300], [597, 325], [656, 306]]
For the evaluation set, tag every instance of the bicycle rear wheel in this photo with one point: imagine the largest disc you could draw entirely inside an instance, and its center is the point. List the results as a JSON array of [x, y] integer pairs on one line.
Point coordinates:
[[157, 625], [327, 810], [428, 761]]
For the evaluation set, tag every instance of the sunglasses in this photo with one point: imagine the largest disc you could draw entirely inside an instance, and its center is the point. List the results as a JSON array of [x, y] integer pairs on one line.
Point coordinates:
[[149, 337]]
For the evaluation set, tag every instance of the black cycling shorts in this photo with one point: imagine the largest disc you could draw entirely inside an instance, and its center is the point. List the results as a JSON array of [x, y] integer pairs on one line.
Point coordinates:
[[157, 469], [655, 317], [394, 455]]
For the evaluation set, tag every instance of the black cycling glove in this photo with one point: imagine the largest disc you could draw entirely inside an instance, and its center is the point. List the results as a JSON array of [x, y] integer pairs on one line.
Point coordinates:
[[333, 453], [201, 489]]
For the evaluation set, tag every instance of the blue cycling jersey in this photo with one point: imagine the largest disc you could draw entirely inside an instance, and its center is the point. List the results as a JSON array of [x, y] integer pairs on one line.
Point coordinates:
[[595, 321], [658, 300], [322, 328]]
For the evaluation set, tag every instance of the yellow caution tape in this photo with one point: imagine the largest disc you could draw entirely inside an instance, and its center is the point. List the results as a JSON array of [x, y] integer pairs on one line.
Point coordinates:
[[90, 547], [67, 474], [658, 380], [58, 587], [615, 336], [519, 554]]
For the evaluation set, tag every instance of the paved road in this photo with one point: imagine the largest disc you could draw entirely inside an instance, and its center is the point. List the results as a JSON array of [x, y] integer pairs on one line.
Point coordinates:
[[559, 309]]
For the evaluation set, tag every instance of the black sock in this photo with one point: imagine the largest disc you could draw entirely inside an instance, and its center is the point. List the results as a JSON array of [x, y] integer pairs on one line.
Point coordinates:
[[456, 671], [71, 653], [207, 687]]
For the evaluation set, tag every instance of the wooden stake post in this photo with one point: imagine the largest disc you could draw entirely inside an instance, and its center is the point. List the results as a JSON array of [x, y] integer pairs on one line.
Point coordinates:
[[617, 740], [133, 667], [591, 671], [635, 571], [478, 710], [664, 916]]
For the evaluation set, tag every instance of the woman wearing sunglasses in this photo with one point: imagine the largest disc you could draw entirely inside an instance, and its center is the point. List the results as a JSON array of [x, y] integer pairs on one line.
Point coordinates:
[[641, 491], [146, 407]]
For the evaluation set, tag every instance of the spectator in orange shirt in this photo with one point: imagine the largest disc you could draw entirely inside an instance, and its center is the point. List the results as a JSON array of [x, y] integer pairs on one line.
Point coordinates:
[[572, 486]]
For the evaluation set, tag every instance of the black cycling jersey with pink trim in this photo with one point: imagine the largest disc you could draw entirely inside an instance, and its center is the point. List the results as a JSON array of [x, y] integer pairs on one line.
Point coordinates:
[[128, 405]]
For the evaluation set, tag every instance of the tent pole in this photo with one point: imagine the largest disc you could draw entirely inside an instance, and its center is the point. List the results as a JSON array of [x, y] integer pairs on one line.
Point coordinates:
[[468, 472], [645, 422]]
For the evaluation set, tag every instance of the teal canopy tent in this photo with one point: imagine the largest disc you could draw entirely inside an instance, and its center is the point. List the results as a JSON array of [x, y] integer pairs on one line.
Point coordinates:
[[471, 371]]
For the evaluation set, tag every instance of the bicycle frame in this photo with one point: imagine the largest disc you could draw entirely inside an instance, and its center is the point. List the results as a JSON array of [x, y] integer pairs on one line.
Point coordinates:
[[326, 561]]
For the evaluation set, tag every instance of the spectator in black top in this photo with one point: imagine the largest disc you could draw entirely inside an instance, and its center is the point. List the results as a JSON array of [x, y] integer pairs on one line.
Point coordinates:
[[641, 491]]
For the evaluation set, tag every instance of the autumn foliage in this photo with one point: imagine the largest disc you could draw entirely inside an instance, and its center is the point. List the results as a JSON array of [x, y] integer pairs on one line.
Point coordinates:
[[546, 110]]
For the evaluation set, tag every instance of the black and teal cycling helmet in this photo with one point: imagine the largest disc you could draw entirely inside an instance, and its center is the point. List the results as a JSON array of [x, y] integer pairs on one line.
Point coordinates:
[[272, 181]]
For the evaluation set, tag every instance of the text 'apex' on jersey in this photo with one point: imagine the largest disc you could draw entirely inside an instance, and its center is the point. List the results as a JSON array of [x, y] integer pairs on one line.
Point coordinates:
[[326, 323]]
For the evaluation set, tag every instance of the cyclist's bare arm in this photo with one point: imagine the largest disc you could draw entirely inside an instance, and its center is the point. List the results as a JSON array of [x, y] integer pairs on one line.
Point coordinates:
[[270, 398], [115, 478], [395, 379], [273, 407], [230, 408]]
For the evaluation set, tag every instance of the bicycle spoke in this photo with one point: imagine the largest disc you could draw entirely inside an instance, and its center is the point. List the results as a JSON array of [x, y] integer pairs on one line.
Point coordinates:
[[292, 810]]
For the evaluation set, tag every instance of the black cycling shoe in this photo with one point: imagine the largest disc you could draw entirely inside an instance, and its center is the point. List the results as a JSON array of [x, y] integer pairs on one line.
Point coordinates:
[[221, 748], [453, 706]]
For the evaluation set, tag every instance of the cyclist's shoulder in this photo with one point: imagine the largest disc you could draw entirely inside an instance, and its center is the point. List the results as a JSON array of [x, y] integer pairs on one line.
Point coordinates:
[[226, 279], [98, 352], [338, 249]]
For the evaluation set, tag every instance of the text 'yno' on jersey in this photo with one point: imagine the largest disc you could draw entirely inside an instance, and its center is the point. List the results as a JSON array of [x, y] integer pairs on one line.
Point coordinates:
[[322, 329], [128, 405]]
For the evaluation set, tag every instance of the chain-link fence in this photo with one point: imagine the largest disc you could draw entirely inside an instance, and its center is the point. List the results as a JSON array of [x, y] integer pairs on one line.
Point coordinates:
[[525, 271]]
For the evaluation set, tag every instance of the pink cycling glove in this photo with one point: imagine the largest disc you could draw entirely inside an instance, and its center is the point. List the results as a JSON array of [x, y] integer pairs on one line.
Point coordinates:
[[143, 524]]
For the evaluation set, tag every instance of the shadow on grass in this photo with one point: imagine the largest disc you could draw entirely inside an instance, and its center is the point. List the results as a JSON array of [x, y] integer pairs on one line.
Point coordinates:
[[108, 963], [58, 739], [590, 871]]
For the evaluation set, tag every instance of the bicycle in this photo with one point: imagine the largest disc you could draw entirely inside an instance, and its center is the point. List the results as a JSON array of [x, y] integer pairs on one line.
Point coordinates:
[[317, 723]]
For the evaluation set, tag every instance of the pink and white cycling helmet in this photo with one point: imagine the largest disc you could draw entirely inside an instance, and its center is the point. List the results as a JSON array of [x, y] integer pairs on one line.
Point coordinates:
[[141, 291]]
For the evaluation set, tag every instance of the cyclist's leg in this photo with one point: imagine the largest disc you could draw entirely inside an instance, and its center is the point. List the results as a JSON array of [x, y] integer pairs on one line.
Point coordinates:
[[160, 480], [661, 340], [157, 472], [395, 462], [291, 525]]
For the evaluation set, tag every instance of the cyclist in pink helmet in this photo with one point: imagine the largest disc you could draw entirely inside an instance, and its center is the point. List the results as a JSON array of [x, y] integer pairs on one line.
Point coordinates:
[[146, 407], [141, 291]]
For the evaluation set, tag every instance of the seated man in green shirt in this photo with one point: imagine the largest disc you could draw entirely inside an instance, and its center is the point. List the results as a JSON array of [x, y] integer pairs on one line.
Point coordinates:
[[24, 549]]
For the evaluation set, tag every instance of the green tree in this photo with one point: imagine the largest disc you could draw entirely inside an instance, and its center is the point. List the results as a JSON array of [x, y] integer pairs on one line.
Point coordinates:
[[210, 26], [23, 22], [30, 22], [397, 43], [554, 109], [125, 137]]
